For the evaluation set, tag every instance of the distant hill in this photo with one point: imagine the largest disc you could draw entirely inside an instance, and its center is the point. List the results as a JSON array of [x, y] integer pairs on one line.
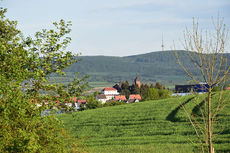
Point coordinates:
[[160, 66]]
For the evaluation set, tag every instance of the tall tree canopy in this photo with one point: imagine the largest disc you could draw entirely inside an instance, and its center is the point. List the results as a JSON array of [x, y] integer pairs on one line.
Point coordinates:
[[25, 65]]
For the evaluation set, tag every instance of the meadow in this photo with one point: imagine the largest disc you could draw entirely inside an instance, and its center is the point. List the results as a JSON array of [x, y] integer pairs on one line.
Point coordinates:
[[158, 126]]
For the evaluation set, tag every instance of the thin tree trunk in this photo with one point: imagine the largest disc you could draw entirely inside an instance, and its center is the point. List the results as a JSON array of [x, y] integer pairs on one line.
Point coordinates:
[[210, 149]]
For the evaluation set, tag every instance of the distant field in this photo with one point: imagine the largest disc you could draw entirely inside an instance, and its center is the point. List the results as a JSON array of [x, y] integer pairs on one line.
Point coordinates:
[[101, 84], [69, 79], [159, 126]]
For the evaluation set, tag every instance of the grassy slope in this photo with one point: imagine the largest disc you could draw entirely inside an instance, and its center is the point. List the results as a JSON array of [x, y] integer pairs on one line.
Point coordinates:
[[152, 126]]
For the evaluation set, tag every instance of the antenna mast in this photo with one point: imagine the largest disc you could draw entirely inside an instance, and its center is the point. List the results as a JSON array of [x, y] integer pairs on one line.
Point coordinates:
[[162, 45]]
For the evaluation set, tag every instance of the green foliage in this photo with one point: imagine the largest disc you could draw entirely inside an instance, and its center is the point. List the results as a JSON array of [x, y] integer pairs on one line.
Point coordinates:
[[65, 93], [23, 130], [152, 94], [135, 89], [125, 92], [147, 92], [158, 86], [163, 93], [125, 85], [13, 57], [125, 89], [144, 90], [114, 103], [48, 50], [92, 103], [216, 88], [25, 65], [144, 127]]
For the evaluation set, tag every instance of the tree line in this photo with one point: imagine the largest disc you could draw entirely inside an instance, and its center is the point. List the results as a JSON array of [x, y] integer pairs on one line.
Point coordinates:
[[147, 91]]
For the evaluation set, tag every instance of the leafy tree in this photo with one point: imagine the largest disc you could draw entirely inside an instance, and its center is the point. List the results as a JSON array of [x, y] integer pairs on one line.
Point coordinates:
[[49, 56], [163, 93], [158, 86], [125, 92], [14, 58], [151, 86], [24, 67], [92, 103], [125, 85], [152, 94], [135, 89], [143, 91]]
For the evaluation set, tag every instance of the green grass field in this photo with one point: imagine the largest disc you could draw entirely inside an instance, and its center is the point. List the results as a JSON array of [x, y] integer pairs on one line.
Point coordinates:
[[159, 126]]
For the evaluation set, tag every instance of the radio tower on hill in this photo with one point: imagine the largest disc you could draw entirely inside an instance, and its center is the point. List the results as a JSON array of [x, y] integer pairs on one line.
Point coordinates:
[[162, 45]]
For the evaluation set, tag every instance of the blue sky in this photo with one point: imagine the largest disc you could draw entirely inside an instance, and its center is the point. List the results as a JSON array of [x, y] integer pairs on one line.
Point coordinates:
[[117, 27]]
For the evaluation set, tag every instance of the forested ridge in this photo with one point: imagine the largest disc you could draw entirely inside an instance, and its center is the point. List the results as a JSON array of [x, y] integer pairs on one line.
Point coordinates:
[[160, 66]]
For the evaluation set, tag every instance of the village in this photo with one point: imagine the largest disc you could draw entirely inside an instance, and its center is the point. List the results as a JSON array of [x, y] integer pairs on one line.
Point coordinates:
[[123, 93], [111, 94], [115, 94]]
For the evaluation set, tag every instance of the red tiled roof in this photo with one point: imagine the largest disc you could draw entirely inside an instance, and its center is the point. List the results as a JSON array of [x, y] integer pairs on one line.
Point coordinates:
[[109, 89], [81, 101], [137, 96], [74, 99], [120, 97]]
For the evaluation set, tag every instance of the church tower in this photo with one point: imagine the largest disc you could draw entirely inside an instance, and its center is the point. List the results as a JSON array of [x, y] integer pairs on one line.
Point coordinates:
[[137, 82]]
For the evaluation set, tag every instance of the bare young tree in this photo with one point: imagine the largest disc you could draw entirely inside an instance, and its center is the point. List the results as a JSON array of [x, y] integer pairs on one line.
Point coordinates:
[[206, 50]]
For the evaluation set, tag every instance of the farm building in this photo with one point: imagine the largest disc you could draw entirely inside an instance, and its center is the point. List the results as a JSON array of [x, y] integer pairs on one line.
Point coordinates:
[[202, 87]]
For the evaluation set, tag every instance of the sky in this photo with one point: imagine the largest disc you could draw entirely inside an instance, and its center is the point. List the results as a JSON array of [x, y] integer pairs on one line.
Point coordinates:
[[118, 27]]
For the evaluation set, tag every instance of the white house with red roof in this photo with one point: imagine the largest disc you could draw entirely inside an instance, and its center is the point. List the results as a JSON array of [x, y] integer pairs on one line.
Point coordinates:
[[107, 93], [110, 91]]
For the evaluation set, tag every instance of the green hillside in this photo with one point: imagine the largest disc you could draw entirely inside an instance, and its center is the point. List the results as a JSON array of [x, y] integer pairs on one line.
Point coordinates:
[[151, 67], [149, 127]]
